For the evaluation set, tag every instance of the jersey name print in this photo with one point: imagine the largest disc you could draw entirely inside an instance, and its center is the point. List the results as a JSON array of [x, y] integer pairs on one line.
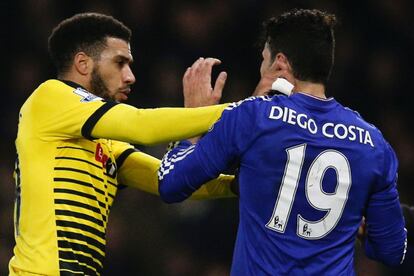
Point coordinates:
[[328, 129]]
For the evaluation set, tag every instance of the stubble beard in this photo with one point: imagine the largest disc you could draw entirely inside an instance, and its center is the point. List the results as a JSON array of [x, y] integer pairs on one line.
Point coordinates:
[[98, 86]]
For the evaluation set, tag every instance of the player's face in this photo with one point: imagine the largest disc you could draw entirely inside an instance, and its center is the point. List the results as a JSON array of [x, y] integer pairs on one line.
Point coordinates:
[[267, 59], [112, 76]]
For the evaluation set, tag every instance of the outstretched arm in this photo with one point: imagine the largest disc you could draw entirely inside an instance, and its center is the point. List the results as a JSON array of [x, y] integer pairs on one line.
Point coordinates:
[[152, 126], [139, 170], [85, 115]]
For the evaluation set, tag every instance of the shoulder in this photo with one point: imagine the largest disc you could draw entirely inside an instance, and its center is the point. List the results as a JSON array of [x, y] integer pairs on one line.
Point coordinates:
[[247, 103], [251, 108], [58, 90], [377, 136], [359, 119], [53, 85], [50, 91]]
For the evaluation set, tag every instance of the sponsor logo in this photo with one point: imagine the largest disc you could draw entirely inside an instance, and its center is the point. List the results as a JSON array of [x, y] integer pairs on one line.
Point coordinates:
[[86, 96], [107, 163], [100, 156]]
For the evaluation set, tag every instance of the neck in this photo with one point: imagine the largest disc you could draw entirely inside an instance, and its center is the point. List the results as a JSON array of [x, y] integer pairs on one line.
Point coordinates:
[[311, 88], [79, 79]]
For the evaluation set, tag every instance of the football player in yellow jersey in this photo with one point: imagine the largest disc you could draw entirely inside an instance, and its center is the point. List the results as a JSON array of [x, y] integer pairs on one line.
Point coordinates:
[[74, 152]]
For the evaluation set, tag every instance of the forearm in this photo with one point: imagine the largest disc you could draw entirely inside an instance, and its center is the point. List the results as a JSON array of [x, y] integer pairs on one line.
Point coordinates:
[[180, 174], [139, 171], [219, 187], [153, 126]]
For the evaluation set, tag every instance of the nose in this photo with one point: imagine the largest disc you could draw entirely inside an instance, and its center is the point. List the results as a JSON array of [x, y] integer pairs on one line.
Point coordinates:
[[128, 77]]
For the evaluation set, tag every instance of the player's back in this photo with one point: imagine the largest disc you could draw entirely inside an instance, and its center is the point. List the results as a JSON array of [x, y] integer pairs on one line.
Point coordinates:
[[308, 176]]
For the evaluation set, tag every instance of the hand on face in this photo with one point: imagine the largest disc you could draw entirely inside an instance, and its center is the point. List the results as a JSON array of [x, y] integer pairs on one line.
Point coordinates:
[[197, 84], [278, 69]]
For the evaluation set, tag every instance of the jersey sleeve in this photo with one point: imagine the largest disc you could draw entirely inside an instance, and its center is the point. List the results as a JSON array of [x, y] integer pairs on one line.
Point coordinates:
[[63, 112], [139, 170], [408, 212], [387, 238], [186, 167], [153, 126]]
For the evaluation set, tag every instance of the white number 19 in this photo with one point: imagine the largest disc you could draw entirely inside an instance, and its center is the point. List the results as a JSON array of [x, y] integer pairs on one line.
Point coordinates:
[[333, 203]]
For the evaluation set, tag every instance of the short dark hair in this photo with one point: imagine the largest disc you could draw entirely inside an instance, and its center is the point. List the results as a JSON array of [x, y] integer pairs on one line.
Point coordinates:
[[307, 39], [85, 32]]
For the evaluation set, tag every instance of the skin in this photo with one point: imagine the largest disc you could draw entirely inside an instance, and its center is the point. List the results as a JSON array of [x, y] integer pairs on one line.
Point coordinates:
[[109, 76], [279, 67], [113, 68], [197, 80]]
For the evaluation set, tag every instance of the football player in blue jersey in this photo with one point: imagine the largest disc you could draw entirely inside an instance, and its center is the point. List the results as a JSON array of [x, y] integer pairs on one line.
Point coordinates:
[[309, 168]]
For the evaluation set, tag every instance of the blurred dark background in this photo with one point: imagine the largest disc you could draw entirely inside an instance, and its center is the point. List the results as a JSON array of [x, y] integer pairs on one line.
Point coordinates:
[[146, 237]]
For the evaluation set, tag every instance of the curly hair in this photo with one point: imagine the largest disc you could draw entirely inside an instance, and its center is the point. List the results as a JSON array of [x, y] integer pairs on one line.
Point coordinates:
[[85, 32], [306, 38]]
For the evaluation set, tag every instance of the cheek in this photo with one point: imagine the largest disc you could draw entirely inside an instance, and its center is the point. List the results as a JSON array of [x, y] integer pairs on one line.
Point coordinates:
[[110, 81]]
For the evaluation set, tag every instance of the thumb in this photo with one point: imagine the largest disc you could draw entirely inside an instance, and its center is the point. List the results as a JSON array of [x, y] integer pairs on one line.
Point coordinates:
[[219, 85]]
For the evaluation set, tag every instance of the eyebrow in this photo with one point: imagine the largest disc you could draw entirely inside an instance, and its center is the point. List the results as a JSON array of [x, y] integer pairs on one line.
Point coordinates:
[[124, 58]]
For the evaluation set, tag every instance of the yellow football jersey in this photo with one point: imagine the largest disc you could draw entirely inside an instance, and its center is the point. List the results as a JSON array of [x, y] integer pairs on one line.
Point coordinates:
[[66, 180]]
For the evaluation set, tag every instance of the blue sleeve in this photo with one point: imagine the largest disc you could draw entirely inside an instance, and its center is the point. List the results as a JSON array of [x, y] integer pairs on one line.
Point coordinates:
[[387, 238], [186, 167]]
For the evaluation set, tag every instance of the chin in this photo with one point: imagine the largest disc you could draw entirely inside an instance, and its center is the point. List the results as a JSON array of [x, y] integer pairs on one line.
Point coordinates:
[[119, 99]]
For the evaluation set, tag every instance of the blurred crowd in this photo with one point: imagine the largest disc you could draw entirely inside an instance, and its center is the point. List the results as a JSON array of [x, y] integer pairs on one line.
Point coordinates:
[[146, 237]]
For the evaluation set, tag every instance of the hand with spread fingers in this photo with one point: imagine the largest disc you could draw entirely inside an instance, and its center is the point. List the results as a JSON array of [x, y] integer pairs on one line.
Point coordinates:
[[197, 83]]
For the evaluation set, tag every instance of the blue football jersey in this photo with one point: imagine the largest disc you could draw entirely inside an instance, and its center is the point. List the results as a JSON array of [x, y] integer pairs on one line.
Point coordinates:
[[309, 170]]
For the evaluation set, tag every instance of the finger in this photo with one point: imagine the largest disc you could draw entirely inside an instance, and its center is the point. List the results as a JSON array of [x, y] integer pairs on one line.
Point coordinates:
[[210, 62], [287, 74], [208, 66], [196, 61], [196, 64], [186, 73], [275, 66], [214, 60], [282, 74], [281, 65], [219, 85]]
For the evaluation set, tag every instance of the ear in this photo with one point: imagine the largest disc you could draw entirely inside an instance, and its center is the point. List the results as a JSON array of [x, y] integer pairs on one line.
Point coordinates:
[[282, 62], [83, 63]]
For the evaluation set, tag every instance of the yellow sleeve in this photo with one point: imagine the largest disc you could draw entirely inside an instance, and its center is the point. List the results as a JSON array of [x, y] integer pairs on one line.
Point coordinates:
[[152, 126], [59, 111], [139, 170]]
